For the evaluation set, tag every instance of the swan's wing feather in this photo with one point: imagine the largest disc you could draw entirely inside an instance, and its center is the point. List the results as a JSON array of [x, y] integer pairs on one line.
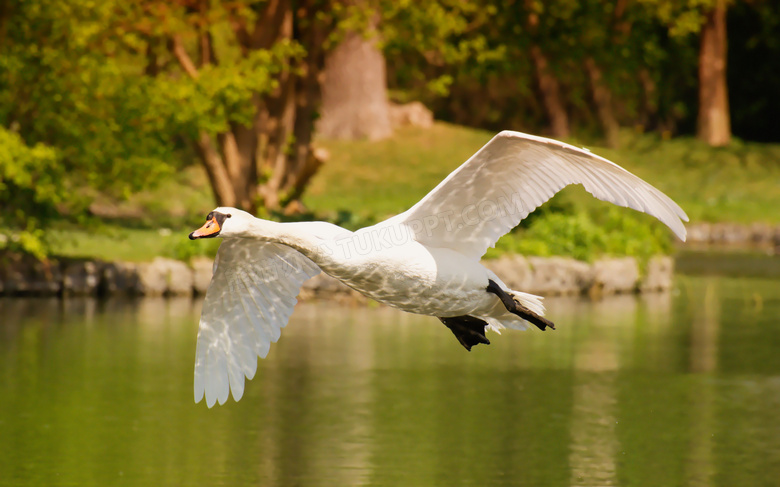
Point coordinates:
[[249, 300], [512, 175]]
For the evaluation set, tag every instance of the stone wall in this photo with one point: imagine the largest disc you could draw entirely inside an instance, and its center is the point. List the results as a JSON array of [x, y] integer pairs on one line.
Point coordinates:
[[90, 277], [545, 276], [756, 234]]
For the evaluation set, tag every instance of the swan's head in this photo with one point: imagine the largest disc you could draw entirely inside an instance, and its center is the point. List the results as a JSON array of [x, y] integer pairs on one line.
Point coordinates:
[[223, 222]]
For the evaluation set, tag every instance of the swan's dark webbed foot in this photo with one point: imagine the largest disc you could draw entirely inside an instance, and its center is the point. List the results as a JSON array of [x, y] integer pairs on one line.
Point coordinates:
[[518, 309], [468, 330]]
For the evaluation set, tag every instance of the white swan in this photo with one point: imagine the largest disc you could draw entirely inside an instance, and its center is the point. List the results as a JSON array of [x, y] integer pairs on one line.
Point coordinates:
[[425, 260]]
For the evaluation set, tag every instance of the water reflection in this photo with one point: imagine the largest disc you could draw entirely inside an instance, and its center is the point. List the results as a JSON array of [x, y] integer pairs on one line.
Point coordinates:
[[664, 389]]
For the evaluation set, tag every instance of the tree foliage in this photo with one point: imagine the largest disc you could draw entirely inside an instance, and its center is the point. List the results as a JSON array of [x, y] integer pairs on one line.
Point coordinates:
[[69, 117], [645, 54], [29, 192], [623, 44], [238, 82]]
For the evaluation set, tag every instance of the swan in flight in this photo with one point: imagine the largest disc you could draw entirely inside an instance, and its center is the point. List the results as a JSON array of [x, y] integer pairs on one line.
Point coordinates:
[[425, 260]]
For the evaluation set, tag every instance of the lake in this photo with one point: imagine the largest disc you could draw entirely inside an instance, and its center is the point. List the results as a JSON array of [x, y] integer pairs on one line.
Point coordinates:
[[681, 388]]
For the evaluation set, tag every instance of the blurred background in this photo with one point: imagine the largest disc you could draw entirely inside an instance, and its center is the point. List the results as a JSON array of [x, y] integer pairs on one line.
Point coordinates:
[[122, 124], [124, 117]]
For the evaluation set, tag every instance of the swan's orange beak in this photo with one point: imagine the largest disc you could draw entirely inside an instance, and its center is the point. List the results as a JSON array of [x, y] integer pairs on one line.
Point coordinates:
[[209, 229]]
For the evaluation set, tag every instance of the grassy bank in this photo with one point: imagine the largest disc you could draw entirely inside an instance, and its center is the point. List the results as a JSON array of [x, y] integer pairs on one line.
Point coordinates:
[[740, 183], [364, 182]]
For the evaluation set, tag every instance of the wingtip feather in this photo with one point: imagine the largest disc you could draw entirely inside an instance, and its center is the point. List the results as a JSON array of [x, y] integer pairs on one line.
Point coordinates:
[[238, 392], [211, 398]]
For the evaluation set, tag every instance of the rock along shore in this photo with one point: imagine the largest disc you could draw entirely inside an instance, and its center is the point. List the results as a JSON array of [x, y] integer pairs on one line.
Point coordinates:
[[759, 235], [167, 277]]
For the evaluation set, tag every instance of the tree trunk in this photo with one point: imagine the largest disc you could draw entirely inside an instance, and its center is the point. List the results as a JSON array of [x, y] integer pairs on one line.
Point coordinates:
[[221, 185], [269, 162], [602, 98], [354, 90], [648, 111], [713, 124], [290, 116], [551, 95], [546, 81]]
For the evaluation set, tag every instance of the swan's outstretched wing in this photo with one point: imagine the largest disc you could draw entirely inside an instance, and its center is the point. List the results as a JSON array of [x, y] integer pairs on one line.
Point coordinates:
[[250, 298], [511, 176]]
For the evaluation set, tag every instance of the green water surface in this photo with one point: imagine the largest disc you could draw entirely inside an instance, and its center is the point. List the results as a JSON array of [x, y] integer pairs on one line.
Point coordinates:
[[675, 389]]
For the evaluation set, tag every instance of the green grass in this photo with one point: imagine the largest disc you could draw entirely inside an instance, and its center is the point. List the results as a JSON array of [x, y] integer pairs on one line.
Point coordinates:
[[387, 177], [183, 197], [740, 183], [152, 223], [365, 181], [110, 243], [113, 242]]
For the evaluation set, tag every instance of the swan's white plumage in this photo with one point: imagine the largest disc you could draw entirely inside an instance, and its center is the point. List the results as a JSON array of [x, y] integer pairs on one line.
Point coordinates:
[[250, 298], [514, 174], [261, 265]]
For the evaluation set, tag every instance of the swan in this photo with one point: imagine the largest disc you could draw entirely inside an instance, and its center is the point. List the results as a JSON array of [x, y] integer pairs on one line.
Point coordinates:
[[425, 260]]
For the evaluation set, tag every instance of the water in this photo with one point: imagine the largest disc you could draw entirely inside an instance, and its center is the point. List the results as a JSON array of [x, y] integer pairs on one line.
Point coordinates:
[[660, 390]]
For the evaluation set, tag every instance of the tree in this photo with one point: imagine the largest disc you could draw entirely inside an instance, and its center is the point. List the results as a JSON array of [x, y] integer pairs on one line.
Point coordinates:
[[251, 89], [432, 45], [354, 86], [253, 128], [708, 20], [29, 192], [602, 99], [254, 134], [546, 81], [551, 65], [713, 123], [68, 119], [251, 118], [110, 97]]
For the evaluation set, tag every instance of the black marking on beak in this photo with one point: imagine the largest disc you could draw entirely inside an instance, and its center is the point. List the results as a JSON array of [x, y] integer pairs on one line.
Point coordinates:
[[212, 227]]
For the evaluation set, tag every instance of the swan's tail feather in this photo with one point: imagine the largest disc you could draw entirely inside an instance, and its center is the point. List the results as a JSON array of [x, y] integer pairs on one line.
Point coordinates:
[[526, 308], [530, 301], [528, 314]]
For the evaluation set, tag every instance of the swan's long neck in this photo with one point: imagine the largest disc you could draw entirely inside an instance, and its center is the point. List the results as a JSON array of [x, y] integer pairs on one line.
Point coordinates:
[[305, 242]]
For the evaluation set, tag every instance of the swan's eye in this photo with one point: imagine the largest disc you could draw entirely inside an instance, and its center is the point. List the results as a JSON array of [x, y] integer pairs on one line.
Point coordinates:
[[229, 215]]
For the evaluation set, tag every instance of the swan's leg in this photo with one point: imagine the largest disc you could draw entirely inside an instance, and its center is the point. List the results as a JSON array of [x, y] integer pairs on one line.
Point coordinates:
[[518, 309], [468, 330]]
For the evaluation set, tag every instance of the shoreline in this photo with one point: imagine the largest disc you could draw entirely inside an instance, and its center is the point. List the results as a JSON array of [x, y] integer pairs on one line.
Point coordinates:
[[737, 235], [546, 276]]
